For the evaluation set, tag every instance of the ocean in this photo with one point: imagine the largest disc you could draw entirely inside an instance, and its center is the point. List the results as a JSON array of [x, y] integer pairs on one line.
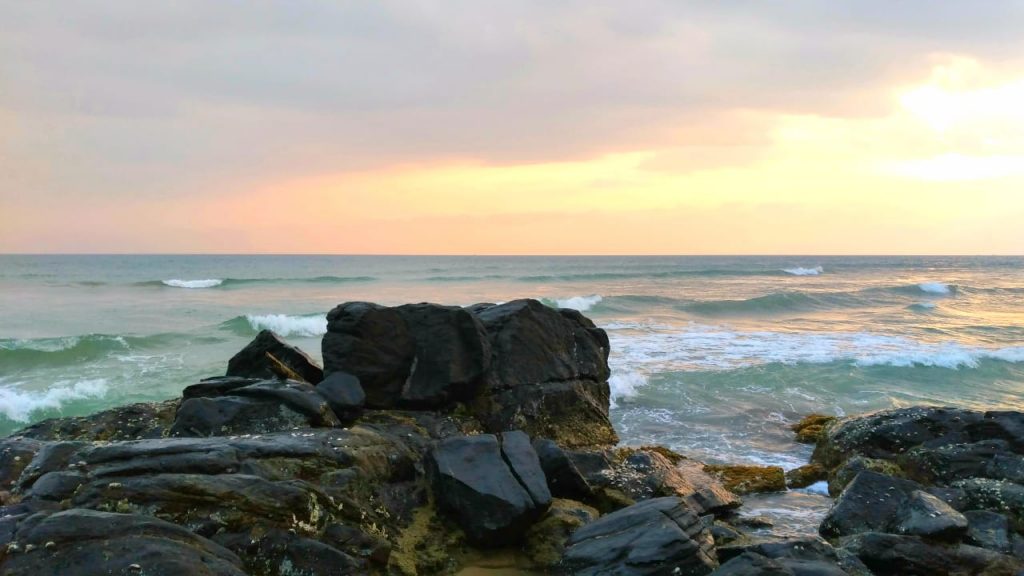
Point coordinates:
[[712, 356]]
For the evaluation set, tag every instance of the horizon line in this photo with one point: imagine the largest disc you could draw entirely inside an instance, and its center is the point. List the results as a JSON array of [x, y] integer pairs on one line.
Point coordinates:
[[483, 255]]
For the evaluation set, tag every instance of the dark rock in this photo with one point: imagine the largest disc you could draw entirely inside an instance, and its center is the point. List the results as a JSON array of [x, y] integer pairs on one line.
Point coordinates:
[[869, 503], [417, 355], [229, 502], [574, 413], [85, 543], [16, 453], [57, 485], [257, 360], [546, 539], [922, 514], [896, 555], [235, 415], [889, 433], [373, 343], [548, 374], [845, 473], [984, 459], [475, 485], [751, 564], [995, 495], [358, 544], [451, 355], [657, 536], [217, 386], [525, 465], [534, 344], [643, 473], [564, 479], [805, 557], [51, 457], [280, 552], [988, 530], [343, 393], [299, 396], [131, 422]]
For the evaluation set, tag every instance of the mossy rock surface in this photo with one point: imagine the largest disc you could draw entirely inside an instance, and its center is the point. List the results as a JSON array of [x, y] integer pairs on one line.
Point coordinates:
[[749, 479]]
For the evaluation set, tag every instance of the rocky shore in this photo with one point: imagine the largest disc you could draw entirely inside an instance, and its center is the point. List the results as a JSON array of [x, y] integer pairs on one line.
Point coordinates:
[[436, 438]]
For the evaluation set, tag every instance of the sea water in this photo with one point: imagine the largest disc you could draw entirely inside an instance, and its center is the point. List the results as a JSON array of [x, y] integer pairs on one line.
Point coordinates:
[[712, 356]]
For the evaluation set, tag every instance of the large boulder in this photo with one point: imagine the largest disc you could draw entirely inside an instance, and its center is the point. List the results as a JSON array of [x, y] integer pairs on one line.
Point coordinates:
[[494, 488], [344, 394], [657, 536], [417, 355], [870, 503], [80, 542], [922, 514], [269, 356], [548, 374], [896, 555], [889, 433]]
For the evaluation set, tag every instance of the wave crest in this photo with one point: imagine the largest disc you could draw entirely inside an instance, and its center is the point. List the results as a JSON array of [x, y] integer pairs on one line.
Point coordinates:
[[798, 271], [18, 404], [309, 325], [207, 283]]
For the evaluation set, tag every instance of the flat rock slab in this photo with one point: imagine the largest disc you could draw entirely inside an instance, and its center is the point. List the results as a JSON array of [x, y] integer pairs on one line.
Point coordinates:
[[86, 542], [657, 536]]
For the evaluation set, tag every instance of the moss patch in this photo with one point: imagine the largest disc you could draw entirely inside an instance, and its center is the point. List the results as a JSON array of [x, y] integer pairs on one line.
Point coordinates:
[[749, 479]]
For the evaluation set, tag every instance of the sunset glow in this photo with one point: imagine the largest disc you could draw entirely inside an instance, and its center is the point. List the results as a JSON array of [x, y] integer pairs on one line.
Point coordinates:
[[937, 150]]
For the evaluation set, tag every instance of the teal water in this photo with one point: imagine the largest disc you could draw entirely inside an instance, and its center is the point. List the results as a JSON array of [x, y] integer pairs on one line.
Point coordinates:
[[713, 356]]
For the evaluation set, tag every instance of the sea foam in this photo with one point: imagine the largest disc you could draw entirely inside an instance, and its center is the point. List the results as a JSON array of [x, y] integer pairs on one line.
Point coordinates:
[[207, 283], [581, 303], [285, 325], [18, 404], [935, 288], [798, 271], [625, 385]]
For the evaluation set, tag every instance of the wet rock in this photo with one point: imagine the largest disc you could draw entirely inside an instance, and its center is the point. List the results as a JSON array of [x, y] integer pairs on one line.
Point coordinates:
[[548, 374], [922, 514], [869, 503], [985, 459], [546, 539], [15, 455], [57, 486], [522, 460], [85, 542], [801, 557], [373, 343], [845, 473], [235, 415], [657, 536], [811, 427], [749, 479], [989, 530], [477, 487], [344, 394], [564, 478], [417, 355], [268, 356], [751, 564], [644, 473], [896, 555], [278, 552], [806, 475], [994, 495], [131, 422], [889, 433]]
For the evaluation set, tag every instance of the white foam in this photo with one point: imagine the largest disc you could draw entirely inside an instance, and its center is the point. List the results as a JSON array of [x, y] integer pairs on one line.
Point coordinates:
[[935, 288], [207, 283], [798, 271], [817, 488], [581, 303], [710, 348], [19, 404], [286, 325], [624, 385]]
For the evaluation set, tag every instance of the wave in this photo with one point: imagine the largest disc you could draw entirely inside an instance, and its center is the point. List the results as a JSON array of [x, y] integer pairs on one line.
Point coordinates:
[[229, 282], [775, 303], [581, 303], [709, 348], [309, 325], [714, 272], [66, 350], [625, 384], [937, 288], [922, 306], [18, 404], [798, 271], [208, 283]]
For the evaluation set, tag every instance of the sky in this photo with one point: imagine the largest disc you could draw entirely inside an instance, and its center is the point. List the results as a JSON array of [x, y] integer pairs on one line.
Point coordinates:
[[529, 127]]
